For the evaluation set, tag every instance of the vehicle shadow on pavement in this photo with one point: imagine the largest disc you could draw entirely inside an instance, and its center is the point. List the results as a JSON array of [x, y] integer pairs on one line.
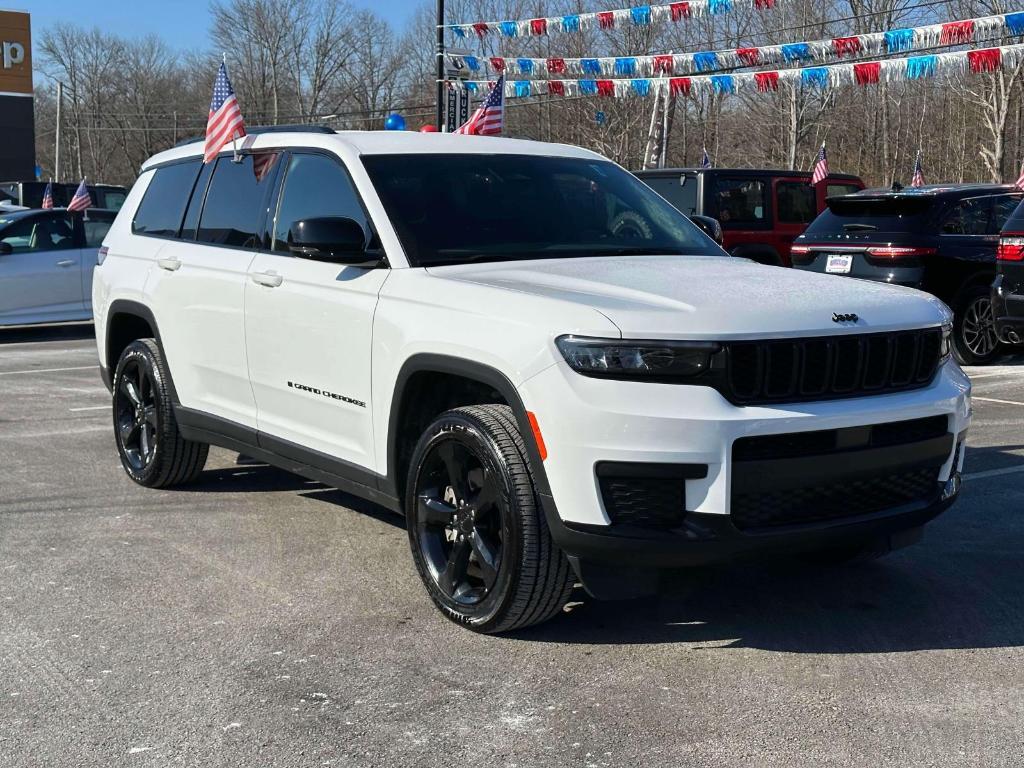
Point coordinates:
[[38, 333], [923, 598], [256, 477]]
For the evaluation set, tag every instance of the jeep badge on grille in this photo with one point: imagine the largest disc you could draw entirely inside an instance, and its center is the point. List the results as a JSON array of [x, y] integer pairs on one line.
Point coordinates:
[[847, 318]]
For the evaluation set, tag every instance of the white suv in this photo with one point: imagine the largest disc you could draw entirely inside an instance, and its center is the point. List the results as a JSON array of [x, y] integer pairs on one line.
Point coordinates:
[[531, 355]]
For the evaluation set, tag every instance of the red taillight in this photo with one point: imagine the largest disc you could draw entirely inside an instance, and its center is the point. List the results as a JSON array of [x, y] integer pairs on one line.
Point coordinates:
[[1011, 248], [898, 251], [800, 250]]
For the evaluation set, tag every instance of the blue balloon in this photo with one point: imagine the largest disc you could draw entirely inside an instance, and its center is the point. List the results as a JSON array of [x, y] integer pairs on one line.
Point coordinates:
[[394, 122]]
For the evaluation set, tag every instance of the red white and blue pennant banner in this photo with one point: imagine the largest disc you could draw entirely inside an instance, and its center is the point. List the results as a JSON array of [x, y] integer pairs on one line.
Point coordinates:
[[637, 16], [832, 76], [874, 44]]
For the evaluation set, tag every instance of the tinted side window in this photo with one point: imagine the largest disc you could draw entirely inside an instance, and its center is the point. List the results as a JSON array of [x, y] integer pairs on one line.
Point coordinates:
[[39, 233], [681, 191], [1002, 209], [968, 217], [195, 204], [315, 186], [96, 228], [740, 202], [164, 202], [1016, 221], [235, 204], [796, 201]]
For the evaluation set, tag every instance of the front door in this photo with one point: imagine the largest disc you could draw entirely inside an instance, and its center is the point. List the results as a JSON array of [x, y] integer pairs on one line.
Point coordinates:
[[309, 325]]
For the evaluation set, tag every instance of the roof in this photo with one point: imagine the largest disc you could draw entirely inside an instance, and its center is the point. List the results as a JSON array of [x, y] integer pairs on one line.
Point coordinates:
[[387, 143], [937, 191], [741, 171]]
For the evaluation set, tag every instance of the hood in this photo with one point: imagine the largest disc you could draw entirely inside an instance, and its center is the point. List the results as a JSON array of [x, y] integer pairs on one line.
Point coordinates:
[[710, 297]]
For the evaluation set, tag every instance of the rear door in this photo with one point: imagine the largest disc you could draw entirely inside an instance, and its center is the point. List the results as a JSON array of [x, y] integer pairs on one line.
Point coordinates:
[[308, 324], [40, 279], [795, 208], [966, 233], [742, 205], [197, 287]]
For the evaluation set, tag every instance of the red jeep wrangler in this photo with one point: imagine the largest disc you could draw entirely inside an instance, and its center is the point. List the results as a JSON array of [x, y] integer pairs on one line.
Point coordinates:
[[761, 212]]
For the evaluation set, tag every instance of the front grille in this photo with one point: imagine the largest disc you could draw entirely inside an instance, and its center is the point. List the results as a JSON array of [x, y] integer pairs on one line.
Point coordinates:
[[828, 367], [821, 503]]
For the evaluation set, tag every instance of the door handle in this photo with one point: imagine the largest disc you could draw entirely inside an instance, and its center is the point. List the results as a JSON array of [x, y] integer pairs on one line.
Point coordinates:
[[270, 279], [65, 262], [171, 265]]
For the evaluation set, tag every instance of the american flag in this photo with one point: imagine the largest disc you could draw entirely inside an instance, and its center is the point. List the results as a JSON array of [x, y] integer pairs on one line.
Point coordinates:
[[48, 195], [489, 118], [225, 121], [1019, 183], [705, 161], [820, 167], [918, 179], [262, 163], [81, 200]]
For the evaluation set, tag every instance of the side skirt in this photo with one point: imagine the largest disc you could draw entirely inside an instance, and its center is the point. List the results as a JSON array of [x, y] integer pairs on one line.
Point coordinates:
[[204, 428]]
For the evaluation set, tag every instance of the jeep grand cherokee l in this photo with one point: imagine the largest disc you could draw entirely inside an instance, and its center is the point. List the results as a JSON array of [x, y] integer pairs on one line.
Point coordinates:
[[464, 330]]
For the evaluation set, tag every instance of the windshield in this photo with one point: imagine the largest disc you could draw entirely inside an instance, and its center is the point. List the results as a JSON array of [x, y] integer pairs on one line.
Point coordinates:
[[460, 208]]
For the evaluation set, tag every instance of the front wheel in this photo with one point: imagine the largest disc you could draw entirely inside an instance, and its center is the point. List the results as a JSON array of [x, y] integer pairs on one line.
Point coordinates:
[[477, 533]]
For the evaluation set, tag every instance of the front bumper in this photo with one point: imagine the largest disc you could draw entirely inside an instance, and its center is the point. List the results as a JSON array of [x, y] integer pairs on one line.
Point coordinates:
[[586, 422]]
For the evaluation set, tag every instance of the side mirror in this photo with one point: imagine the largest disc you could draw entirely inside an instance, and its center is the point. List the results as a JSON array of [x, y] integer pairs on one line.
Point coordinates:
[[335, 239], [6, 248], [709, 227]]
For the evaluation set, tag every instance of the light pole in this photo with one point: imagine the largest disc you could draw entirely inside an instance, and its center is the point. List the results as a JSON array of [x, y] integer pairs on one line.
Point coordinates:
[[440, 65]]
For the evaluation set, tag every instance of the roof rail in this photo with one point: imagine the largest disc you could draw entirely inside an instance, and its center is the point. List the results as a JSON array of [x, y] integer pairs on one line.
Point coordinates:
[[256, 130]]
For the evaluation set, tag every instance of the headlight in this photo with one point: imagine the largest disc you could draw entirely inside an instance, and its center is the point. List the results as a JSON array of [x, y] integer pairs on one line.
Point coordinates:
[[945, 348], [628, 359]]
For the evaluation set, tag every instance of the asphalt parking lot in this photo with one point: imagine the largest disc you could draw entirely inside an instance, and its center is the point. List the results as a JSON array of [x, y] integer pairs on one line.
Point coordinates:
[[258, 619]]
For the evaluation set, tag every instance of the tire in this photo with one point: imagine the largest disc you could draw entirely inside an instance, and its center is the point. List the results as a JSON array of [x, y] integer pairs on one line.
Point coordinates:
[[478, 535], [152, 450], [974, 334]]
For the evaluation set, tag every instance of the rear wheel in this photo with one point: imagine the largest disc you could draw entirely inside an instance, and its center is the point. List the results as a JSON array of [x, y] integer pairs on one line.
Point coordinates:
[[974, 330], [477, 533], [153, 452]]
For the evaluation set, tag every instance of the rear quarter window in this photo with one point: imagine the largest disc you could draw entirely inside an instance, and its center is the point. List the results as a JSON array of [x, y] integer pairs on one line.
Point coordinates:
[[163, 206], [1015, 222]]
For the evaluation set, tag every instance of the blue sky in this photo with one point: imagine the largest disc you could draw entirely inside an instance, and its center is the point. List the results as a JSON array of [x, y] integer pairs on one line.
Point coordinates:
[[182, 23]]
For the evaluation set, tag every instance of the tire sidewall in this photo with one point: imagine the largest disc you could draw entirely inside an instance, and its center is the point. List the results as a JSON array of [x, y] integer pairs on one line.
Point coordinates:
[[963, 354], [461, 427], [137, 352]]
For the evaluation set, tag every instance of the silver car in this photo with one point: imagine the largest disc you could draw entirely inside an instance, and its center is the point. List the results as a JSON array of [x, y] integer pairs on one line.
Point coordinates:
[[46, 263]]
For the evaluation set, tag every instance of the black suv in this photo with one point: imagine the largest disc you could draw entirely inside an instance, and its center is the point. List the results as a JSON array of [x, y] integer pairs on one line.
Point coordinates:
[[1008, 289], [940, 239]]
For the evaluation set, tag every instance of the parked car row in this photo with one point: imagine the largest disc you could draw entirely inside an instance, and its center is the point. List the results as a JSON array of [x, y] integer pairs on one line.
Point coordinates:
[[941, 239], [29, 194]]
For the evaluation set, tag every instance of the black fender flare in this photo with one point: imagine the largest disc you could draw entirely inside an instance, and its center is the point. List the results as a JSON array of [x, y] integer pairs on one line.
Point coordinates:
[[135, 309], [469, 369]]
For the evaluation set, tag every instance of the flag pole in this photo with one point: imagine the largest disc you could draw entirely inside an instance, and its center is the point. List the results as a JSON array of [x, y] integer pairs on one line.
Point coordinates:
[[236, 158]]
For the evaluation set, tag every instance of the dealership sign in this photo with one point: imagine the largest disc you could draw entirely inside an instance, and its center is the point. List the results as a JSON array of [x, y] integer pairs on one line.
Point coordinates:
[[15, 53]]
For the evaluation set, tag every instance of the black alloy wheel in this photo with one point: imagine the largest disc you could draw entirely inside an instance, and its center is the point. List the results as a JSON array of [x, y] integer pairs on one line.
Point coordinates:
[[978, 328], [135, 415], [460, 523], [478, 535], [152, 450]]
